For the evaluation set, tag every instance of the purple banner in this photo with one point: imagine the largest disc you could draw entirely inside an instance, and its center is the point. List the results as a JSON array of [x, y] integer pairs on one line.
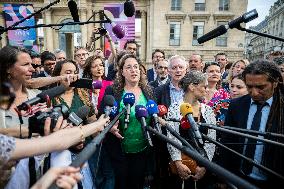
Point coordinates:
[[115, 11], [23, 38]]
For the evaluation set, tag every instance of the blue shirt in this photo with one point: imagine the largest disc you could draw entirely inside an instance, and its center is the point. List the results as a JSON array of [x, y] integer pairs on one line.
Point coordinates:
[[176, 94], [87, 180], [257, 173]]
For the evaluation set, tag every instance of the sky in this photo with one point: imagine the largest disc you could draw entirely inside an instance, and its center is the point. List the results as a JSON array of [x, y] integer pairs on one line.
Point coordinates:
[[262, 7]]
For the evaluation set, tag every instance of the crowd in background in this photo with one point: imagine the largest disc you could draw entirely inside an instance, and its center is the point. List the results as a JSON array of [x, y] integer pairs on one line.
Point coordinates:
[[220, 93]]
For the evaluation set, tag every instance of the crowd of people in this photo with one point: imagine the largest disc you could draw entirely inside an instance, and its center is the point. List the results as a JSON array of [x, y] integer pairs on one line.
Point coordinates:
[[241, 94]]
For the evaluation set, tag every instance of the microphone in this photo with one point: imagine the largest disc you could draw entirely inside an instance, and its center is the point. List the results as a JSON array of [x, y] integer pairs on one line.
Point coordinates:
[[186, 111], [86, 84], [220, 30], [184, 123], [128, 101], [117, 29], [153, 110], [245, 18], [129, 8], [42, 97], [113, 110], [141, 114], [72, 5], [78, 117], [109, 102], [163, 110]]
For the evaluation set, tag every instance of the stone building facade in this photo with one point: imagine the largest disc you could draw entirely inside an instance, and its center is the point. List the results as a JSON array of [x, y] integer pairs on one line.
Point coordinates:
[[171, 25]]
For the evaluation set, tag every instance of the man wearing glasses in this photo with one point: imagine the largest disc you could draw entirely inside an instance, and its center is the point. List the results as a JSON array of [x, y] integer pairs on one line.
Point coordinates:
[[81, 54], [157, 55], [162, 74]]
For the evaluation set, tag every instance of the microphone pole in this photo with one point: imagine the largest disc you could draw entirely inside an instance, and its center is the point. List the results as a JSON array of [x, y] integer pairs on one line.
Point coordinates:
[[218, 170], [244, 157], [267, 134], [91, 148], [240, 134]]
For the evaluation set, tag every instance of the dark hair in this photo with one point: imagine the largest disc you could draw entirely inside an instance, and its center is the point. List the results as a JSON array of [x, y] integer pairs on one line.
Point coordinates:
[[221, 54], [8, 57], [59, 65], [279, 60], [207, 64], [79, 48], [129, 42], [34, 54], [239, 76], [87, 70], [119, 81], [158, 50], [46, 55], [271, 70]]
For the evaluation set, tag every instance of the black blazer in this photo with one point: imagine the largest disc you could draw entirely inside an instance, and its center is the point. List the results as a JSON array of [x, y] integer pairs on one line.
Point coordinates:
[[162, 94], [155, 84], [237, 117], [150, 75]]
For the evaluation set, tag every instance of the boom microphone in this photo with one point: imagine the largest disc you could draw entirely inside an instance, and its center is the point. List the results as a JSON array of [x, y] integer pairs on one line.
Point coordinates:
[[42, 97], [153, 110], [220, 30], [128, 101], [117, 29], [72, 5], [87, 84], [129, 8], [186, 111]]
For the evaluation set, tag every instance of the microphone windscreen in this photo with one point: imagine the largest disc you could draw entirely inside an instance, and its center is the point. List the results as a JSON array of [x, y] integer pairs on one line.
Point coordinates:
[[152, 107], [220, 30], [83, 112], [72, 5], [163, 110], [109, 100], [184, 123], [118, 31], [129, 8], [114, 110], [97, 84], [129, 98], [52, 92], [185, 108], [140, 111]]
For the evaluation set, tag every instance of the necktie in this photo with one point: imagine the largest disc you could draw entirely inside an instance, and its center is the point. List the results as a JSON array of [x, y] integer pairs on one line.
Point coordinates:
[[250, 148]]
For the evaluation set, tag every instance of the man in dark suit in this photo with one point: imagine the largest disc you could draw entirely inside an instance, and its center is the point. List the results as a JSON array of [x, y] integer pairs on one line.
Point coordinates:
[[260, 110], [168, 94], [162, 74], [157, 56]]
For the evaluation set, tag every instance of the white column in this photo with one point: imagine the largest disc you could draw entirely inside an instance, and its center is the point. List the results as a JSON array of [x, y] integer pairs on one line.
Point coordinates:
[[48, 34], [84, 30], [143, 35]]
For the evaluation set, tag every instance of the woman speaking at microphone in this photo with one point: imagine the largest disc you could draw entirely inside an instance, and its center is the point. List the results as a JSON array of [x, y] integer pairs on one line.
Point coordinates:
[[128, 149], [194, 85]]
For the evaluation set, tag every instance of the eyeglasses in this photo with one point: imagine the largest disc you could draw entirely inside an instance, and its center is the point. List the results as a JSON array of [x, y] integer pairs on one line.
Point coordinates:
[[159, 57], [83, 55], [35, 66]]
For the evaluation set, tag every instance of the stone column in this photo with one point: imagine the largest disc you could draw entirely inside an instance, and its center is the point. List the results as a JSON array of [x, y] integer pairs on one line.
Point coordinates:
[[5, 34], [143, 35], [84, 31], [48, 33]]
